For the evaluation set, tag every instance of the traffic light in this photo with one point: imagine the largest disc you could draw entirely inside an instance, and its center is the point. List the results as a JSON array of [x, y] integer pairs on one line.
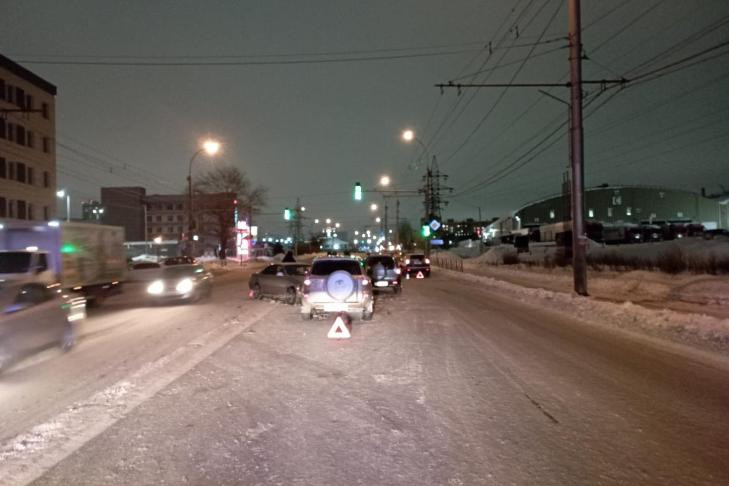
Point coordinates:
[[357, 191], [425, 230], [287, 214]]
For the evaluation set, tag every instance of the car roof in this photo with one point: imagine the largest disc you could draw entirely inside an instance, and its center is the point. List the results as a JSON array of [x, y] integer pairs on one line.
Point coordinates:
[[333, 259]]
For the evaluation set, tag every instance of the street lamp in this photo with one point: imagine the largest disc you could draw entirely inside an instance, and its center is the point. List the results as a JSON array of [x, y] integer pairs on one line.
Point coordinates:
[[316, 221], [61, 194], [329, 221], [378, 219], [210, 147], [385, 181], [373, 207], [409, 136], [337, 225]]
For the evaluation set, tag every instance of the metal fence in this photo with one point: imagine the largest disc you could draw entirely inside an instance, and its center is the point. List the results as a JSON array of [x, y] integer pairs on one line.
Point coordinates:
[[449, 262]]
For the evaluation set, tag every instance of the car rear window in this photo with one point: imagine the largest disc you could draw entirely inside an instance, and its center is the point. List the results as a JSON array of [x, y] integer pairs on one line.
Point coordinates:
[[326, 267], [417, 258], [178, 271], [386, 261]]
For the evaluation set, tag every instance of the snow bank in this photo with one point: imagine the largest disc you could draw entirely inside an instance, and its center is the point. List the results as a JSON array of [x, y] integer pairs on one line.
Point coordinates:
[[677, 326]]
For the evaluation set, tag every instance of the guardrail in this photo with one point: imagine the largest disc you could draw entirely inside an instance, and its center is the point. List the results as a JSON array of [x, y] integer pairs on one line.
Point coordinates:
[[449, 262]]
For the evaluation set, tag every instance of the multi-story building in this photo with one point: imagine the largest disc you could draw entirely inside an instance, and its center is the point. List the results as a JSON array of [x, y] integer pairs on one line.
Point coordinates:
[[27, 144], [146, 217]]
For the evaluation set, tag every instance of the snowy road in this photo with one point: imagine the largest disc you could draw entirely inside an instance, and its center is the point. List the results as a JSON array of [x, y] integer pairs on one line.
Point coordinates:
[[448, 385]]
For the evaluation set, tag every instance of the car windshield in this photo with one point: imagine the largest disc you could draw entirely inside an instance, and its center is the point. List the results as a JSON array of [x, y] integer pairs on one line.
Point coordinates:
[[326, 267], [296, 270], [385, 261], [14, 262]]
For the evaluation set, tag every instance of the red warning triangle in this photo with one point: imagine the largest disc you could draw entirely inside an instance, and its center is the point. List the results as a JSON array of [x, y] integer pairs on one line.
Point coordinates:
[[339, 330], [420, 275]]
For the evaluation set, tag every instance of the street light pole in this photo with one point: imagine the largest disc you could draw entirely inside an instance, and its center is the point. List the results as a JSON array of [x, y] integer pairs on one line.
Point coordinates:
[[189, 203]]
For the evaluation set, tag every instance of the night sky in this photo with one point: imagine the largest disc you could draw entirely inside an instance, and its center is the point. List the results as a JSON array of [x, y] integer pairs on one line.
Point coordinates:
[[140, 83]]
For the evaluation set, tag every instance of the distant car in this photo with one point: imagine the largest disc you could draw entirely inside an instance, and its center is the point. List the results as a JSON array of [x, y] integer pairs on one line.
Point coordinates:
[[179, 260], [182, 282], [384, 272], [36, 316], [337, 284], [416, 263], [279, 280]]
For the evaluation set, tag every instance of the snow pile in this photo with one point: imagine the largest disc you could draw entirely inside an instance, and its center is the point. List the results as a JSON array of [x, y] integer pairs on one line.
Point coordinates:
[[689, 328], [692, 248], [495, 255]]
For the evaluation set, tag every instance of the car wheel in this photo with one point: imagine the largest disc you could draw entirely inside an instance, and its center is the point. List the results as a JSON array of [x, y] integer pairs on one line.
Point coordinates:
[[367, 315], [291, 296], [256, 292], [397, 289]]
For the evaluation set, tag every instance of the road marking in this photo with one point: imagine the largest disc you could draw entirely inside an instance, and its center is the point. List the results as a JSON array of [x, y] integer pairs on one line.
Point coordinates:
[[29, 455]]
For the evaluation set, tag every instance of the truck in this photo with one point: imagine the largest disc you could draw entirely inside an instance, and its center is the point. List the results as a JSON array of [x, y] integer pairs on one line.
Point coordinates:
[[84, 258]]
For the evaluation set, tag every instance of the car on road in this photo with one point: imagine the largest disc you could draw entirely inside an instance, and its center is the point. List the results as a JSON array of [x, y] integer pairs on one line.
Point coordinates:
[[183, 282], [36, 316], [384, 272], [279, 280], [179, 260], [416, 264], [337, 284]]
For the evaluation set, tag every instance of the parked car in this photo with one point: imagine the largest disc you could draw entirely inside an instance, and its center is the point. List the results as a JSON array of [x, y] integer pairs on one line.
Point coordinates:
[[36, 316], [279, 280], [179, 260], [337, 284], [384, 272], [416, 263], [175, 283]]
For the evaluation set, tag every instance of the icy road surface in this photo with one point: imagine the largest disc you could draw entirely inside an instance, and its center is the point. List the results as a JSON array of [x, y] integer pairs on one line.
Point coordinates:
[[448, 385]]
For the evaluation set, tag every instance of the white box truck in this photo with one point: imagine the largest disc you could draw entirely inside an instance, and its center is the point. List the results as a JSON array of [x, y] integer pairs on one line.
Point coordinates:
[[84, 258]]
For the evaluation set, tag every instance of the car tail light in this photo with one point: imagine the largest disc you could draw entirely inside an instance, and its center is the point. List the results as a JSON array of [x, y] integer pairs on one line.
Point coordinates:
[[427, 261], [407, 261], [307, 282], [306, 287], [365, 281], [398, 271]]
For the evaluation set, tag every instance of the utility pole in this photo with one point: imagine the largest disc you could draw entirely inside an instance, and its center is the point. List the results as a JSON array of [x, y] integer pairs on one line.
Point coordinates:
[[385, 222], [297, 226], [579, 239], [397, 221], [432, 196]]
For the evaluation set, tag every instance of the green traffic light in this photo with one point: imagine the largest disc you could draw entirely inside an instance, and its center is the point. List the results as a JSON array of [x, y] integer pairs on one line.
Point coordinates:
[[287, 214], [357, 191], [425, 231], [68, 248]]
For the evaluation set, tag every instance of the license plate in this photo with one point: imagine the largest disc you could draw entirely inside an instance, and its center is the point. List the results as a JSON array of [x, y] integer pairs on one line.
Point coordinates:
[[335, 307], [380, 284]]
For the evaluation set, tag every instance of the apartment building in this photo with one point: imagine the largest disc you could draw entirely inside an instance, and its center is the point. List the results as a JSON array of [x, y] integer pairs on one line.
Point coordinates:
[[27, 144]]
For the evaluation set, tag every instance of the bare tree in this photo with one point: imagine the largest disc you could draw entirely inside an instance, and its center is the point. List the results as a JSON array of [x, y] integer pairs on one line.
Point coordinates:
[[217, 212]]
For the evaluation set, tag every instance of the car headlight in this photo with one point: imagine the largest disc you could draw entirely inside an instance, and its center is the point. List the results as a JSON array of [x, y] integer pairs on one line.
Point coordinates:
[[156, 287], [184, 286]]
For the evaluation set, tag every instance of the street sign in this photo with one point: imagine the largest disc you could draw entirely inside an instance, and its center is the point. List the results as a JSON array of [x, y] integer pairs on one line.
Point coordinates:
[[434, 225], [339, 329], [436, 242]]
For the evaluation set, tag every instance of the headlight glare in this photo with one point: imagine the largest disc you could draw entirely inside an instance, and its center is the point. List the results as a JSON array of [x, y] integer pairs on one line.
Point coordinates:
[[184, 286], [156, 287]]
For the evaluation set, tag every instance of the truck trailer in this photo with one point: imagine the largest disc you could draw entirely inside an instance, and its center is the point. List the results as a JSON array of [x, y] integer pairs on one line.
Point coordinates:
[[84, 258]]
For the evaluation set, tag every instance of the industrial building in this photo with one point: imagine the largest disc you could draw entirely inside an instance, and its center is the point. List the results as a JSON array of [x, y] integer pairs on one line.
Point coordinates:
[[621, 205], [27, 144]]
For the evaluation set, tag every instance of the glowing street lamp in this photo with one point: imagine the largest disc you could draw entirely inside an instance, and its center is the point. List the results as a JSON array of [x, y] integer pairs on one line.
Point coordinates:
[[329, 221], [385, 180], [408, 135], [373, 207], [337, 225], [378, 219], [64, 194], [211, 147], [316, 221]]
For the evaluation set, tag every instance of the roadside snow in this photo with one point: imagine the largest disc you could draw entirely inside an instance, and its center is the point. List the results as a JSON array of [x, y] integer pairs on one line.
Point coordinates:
[[677, 326]]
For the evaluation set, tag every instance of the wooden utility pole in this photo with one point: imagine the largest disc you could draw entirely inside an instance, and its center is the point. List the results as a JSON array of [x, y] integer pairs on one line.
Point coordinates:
[[579, 238]]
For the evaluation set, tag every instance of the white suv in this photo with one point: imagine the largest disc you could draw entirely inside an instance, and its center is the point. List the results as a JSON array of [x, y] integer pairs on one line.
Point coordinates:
[[337, 285]]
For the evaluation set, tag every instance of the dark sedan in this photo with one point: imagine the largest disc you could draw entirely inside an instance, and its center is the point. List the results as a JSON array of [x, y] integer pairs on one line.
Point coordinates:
[[417, 265], [278, 280], [36, 316], [182, 282], [384, 272]]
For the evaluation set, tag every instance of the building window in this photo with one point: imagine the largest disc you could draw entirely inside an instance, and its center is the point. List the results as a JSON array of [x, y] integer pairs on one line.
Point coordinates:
[[159, 219], [679, 214], [590, 213], [3, 208], [179, 217], [617, 200], [20, 135], [551, 213], [11, 131], [3, 168], [170, 218], [2, 89], [11, 170], [29, 102], [21, 210], [149, 219], [20, 97], [30, 211], [536, 220], [20, 172], [30, 139], [610, 212], [11, 209], [46, 179], [31, 176], [45, 212], [3, 128], [629, 211], [46, 145], [44, 109]]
